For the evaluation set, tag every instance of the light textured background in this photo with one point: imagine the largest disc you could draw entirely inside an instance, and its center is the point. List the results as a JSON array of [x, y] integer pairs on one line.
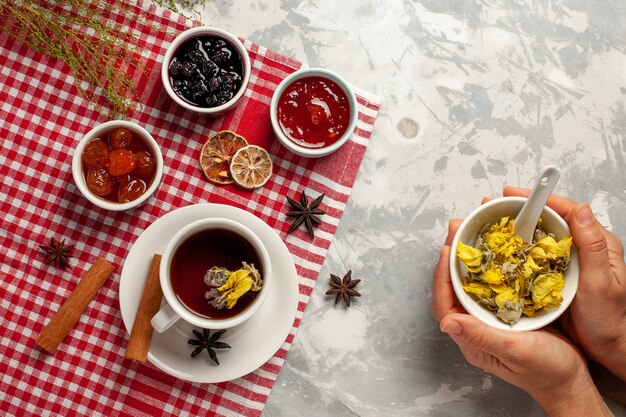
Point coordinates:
[[477, 94]]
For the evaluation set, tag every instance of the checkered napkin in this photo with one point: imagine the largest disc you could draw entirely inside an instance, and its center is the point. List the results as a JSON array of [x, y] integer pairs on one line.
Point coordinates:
[[42, 118]]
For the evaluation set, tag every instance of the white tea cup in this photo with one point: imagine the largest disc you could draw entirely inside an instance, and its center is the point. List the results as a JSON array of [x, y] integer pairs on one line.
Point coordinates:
[[175, 310]]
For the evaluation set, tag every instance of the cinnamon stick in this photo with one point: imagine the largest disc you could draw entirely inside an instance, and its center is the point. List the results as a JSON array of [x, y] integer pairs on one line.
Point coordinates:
[[64, 320], [141, 333]]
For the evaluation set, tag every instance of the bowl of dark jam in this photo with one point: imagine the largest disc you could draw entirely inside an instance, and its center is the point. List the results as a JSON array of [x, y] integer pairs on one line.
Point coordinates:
[[117, 165], [313, 112], [206, 70]]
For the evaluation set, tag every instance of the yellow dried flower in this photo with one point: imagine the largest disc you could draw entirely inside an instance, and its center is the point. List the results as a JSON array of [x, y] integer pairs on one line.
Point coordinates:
[[500, 238], [492, 276], [471, 257], [237, 285], [232, 285], [507, 295], [546, 292], [240, 282], [481, 290]]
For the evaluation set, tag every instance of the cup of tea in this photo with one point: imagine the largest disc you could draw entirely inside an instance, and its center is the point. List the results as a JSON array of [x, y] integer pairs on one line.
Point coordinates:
[[206, 265]]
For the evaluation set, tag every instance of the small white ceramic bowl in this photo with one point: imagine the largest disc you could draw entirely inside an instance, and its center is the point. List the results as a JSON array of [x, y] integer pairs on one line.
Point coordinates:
[[490, 213], [194, 33], [176, 310], [101, 131], [291, 145]]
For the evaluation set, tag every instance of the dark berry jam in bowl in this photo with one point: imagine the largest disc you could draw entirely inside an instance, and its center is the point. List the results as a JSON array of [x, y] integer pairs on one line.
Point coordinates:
[[206, 70], [313, 112], [117, 165], [193, 253]]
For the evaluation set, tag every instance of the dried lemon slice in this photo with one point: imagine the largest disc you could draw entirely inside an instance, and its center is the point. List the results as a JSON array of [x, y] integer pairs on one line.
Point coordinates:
[[251, 166], [216, 154]]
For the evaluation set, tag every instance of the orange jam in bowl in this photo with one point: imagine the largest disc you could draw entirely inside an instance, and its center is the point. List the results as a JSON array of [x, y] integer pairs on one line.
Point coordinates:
[[117, 165]]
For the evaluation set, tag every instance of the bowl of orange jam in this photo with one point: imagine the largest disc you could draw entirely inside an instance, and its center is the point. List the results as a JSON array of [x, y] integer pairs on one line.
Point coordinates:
[[313, 112], [117, 165]]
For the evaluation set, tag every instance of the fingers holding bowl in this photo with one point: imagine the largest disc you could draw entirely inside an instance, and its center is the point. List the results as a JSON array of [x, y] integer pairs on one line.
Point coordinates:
[[568, 209], [453, 226], [444, 300], [562, 205]]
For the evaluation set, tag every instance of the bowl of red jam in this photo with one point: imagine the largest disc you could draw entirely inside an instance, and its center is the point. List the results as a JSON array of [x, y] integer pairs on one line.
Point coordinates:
[[117, 165], [313, 112], [206, 70]]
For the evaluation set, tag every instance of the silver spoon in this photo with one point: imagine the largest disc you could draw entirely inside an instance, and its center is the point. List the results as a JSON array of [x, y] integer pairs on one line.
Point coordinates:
[[526, 220]]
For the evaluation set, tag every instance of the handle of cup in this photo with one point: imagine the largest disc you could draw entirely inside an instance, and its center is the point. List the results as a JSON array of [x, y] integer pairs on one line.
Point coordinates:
[[164, 319]]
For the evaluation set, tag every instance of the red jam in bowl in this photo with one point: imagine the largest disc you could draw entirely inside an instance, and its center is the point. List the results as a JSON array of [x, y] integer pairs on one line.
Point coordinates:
[[313, 112]]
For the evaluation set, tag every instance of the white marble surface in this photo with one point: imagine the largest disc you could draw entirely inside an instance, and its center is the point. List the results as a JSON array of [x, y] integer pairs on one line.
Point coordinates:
[[477, 94]]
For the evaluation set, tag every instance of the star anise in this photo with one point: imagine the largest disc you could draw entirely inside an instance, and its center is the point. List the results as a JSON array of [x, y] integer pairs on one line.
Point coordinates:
[[209, 342], [58, 252], [306, 213], [343, 289]]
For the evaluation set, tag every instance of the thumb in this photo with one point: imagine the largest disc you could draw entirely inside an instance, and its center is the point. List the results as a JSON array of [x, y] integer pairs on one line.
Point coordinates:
[[468, 330], [592, 246]]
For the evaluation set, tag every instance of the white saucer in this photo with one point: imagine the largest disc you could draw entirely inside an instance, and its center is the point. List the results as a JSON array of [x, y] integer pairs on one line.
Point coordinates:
[[252, 343]]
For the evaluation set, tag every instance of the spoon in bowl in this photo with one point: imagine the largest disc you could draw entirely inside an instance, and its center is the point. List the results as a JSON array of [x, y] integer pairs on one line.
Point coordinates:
[[526, 220]]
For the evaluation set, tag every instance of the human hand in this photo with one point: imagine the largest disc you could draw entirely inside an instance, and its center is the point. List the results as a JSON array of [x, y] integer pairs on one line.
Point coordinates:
[[596, 319], [542, 363]]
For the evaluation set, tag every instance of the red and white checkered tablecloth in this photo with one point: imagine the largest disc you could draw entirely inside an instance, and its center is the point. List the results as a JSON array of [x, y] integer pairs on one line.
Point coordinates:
[[42, 117]]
